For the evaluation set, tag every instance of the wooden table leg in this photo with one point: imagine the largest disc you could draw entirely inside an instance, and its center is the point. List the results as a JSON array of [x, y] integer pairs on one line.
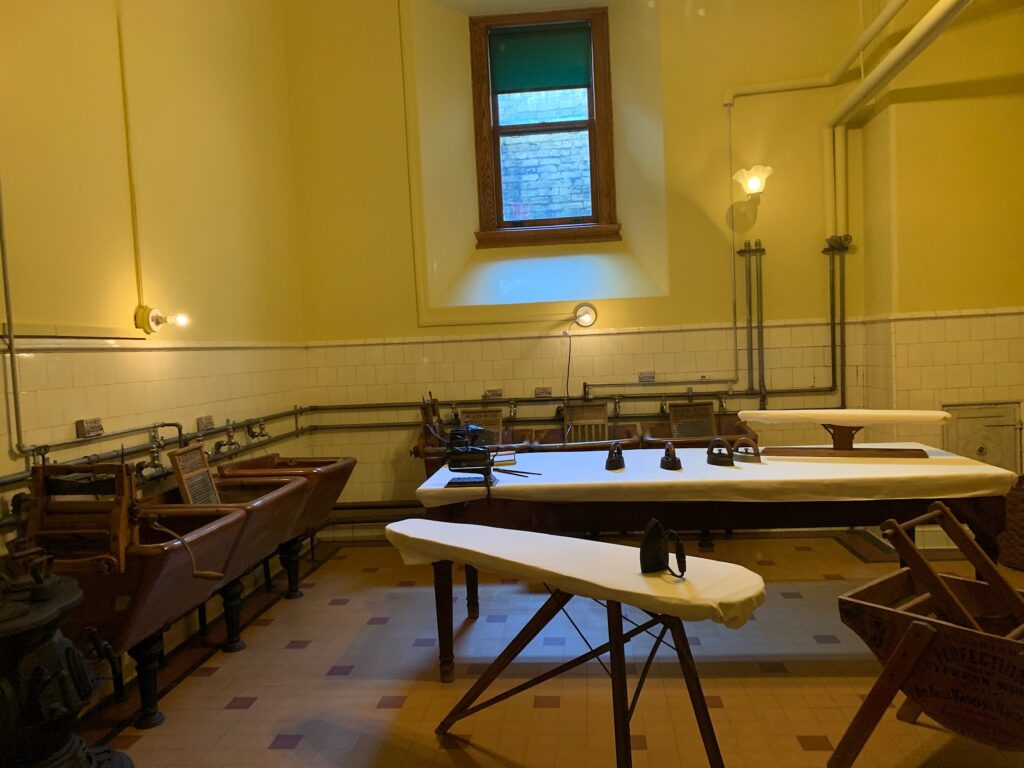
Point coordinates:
[[620, 696], [895, 672], [472, 592], [443, 605], [693, 687]]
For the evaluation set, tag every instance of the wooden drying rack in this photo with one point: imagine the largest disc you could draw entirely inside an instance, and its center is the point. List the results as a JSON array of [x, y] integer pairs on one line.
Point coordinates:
[[954, 646]]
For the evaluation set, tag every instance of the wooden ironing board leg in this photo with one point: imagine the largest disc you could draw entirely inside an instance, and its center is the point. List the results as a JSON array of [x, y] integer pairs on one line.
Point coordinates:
[[895, 672], [472, 592], [533, 627], [620, 695], [700, 705], [443, 606]]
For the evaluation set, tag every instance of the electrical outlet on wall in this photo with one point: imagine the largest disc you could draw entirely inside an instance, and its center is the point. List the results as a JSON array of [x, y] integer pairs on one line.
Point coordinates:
[[204, 423], [645, 377]]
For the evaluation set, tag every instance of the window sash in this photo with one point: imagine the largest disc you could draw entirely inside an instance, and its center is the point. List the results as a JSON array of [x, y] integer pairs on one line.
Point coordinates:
[[562, 126], [494, 230]]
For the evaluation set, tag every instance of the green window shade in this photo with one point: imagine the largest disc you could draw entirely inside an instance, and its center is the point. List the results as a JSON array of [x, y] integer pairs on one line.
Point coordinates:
[[540, 57]]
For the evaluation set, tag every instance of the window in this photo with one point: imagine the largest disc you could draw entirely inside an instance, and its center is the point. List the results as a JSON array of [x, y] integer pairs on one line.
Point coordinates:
[[542, 108]]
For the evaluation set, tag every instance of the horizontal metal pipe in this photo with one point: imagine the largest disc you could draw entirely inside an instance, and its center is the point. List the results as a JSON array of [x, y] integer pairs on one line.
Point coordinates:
[[689, 382], [368, 425], [105, 436], [351, 505], [20, 478]]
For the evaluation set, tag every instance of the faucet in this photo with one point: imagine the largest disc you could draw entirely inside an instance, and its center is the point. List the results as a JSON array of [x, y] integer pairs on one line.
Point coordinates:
[[229, 445], [155, 444], [257, 431]]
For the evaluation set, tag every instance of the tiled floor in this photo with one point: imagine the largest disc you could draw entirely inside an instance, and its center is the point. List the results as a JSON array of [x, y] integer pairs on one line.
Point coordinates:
[[347, 676]]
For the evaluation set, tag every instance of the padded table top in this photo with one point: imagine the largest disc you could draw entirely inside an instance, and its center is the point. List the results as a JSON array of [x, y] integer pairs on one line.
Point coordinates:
[[580, 476], [846, 417], [725, 593]]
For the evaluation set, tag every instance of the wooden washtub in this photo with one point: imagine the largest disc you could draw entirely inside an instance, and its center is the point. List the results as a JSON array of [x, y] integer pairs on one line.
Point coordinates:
[[327, 478], [269, 507]]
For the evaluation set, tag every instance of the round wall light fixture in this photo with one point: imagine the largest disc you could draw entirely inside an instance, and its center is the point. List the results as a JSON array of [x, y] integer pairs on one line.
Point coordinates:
[[585, 315]]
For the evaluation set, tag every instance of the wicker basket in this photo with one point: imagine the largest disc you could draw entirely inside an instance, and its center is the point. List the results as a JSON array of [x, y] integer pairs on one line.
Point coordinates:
[[1011, 541]]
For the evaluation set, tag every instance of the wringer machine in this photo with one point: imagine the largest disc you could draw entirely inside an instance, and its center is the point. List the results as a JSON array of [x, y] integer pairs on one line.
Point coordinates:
[[139, 570]]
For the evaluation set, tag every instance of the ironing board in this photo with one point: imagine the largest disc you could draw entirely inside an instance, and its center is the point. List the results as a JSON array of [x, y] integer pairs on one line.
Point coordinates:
[[711, 591], [843, 424]]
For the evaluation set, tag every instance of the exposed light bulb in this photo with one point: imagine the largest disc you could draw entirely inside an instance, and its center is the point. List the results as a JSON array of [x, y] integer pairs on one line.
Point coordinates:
[[755, 184], [150, 319]]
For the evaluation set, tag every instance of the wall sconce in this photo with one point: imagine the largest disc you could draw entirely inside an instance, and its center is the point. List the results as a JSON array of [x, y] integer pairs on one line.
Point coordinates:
[[150, 319], [585, 315], [753, 180]]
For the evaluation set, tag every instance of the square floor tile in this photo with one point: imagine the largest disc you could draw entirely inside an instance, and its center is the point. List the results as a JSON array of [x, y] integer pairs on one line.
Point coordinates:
[[391, 702], [241, 702], [339, 601], [378, 620], [298, 644], [285, 741], [815, 743], [340, 671]]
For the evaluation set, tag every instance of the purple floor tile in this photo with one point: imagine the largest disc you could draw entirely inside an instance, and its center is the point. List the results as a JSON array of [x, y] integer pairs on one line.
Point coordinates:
[[339, 601], [240, 702], [298, 644], [391, 702], [340, 671], [285, 741], [378, 620]]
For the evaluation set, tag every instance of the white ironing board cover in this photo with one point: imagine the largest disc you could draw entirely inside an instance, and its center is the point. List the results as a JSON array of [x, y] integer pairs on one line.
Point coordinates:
[[722, 592], [574, 476], [846, 417]]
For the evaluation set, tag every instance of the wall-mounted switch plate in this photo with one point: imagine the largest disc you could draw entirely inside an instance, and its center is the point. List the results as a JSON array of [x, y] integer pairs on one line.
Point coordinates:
[[88, 427], [204, 423], [493, 394], [645, 377], [542, 391]]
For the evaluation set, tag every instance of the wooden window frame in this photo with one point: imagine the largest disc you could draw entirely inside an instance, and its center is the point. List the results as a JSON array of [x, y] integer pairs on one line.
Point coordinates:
[[601, 225]]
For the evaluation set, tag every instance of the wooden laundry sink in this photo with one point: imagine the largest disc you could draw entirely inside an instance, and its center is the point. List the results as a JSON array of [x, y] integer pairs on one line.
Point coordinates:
[[327, 478]]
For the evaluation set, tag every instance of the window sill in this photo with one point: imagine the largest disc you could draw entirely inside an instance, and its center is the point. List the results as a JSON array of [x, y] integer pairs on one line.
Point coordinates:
[[570, 233]]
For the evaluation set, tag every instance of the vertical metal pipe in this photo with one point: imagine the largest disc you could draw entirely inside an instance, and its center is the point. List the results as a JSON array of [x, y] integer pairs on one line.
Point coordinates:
[[750, 326], [832, 312], [763, 387], [842, 328], [19, 444]]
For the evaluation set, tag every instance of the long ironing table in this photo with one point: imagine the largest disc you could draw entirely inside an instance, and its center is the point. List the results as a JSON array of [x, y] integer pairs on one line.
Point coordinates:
[[711, 591], [573, 492]]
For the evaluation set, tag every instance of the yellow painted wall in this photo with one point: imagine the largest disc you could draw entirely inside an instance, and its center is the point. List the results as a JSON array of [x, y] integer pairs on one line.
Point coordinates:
[[949, 178], [348, 118], [62, 165], [210, 130]]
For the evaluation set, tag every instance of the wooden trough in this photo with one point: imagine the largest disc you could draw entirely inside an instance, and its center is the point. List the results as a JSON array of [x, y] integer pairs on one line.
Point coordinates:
[[954, 646]]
